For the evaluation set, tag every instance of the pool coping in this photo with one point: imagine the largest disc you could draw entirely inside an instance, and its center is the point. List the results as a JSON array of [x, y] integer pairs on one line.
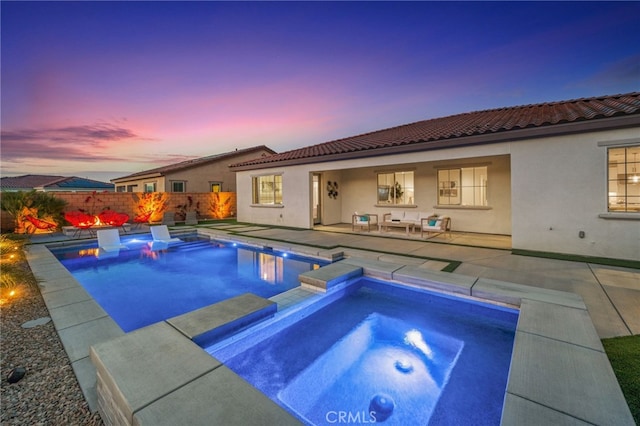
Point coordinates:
[[559, 370]]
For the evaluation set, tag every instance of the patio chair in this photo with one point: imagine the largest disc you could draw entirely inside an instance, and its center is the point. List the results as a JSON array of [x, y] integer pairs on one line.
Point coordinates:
[[435, 225], [81, 221], [169, 219], [113, 218], [141, 219], [40, 224], [109, 240], [191, 218], [161, 233], [362, 220]]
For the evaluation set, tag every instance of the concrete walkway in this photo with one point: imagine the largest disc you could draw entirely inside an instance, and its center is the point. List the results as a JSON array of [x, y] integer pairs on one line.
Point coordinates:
[[612, 294]]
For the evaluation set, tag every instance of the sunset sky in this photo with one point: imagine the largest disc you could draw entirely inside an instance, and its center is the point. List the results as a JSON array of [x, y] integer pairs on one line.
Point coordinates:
[[105, 89]]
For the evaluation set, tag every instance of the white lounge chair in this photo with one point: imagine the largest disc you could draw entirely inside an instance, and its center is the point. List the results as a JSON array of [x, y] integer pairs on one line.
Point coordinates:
[[161, 233], [109, 240]]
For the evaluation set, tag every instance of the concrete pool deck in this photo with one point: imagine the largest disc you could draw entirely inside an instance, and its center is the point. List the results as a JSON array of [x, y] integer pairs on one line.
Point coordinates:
[[556, 342]]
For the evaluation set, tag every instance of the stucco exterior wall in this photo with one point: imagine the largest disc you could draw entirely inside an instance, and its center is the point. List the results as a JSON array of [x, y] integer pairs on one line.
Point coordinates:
[[357, 181], [541, 191], [559, 188]]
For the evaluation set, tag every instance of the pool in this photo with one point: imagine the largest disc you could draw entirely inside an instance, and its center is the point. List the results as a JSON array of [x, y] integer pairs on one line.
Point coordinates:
[[144, 284], [380, 352]]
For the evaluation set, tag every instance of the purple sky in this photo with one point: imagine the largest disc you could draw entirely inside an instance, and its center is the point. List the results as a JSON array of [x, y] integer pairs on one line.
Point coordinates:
[[105, 89]]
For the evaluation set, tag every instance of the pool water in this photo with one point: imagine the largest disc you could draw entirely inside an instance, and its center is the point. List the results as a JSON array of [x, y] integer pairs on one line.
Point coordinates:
[[381, 352], [142, 285]]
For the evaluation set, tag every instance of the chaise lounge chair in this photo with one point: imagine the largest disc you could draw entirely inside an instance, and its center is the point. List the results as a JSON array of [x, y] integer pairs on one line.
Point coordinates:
[[160, 233], [109, 240]]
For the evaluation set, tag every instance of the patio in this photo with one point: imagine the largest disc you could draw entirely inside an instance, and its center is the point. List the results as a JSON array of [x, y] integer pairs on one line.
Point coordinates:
[[611, 294]]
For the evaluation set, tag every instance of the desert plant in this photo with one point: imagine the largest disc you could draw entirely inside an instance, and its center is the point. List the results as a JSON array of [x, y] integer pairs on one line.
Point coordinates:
[[151, 204], [40, 205], [182, 209], [15, 273], [220, 205], [90, 204]]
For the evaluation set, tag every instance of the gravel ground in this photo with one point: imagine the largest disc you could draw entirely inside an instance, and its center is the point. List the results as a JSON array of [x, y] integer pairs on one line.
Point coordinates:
[[49, 393]]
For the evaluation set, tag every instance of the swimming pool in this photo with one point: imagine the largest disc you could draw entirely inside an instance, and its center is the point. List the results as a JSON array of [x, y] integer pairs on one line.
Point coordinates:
[[376, 351], [142, 284]]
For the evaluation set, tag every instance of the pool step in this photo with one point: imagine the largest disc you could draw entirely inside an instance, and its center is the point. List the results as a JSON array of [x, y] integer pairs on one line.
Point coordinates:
[[208, 324]]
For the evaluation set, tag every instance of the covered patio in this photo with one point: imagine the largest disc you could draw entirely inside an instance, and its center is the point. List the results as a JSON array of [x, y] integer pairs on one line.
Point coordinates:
[[473, 239]]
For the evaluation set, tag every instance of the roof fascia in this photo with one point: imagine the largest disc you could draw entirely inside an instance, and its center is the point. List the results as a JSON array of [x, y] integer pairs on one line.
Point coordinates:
[[132, 178], [563, 129]]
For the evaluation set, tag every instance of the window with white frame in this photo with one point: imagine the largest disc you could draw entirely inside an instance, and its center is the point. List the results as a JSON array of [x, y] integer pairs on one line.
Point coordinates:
[[462, 186], [131, 188], [396, 188], [121, 188], [267, 189], [178, 186], [150, 187], [624, 179]]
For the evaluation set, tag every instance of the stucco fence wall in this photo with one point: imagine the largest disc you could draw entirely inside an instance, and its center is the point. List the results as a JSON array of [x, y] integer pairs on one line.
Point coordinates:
[[127, 202]]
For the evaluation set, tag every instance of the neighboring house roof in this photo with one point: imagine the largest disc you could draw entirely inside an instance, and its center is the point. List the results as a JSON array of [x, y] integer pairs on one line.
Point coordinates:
[[161, 171], [463, 129], [52, 183]]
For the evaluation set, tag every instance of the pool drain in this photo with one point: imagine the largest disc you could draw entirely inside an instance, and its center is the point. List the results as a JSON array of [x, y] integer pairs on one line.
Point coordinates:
[[382, 405]]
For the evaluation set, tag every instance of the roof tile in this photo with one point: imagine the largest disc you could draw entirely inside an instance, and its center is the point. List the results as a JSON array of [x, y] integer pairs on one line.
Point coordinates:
[[469, 124]]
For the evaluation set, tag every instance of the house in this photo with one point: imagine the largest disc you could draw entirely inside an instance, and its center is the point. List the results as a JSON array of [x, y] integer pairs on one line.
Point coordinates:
[[47, 183], [206, 174], [558, 177]]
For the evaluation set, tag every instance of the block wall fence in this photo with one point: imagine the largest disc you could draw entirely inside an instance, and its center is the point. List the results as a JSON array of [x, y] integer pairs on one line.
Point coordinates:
[[127, 202]]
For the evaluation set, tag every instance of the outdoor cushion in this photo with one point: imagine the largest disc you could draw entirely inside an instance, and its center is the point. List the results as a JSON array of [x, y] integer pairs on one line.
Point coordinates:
[[397, 215], [411, 217], [432, 222]]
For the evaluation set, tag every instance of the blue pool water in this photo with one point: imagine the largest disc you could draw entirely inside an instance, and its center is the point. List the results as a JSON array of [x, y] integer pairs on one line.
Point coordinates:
[[141, 285], [379, 352]]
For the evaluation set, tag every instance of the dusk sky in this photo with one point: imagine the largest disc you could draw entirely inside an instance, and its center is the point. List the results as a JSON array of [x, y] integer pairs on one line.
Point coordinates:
[[105, 89]]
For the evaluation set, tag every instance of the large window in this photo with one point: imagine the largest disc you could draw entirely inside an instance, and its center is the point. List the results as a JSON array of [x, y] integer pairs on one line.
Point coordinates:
[[464, 186], [396, 188], [267, 189], [624, 179]]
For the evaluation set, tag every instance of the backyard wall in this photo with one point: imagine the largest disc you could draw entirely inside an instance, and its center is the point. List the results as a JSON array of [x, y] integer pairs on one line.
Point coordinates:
[[126, 202]]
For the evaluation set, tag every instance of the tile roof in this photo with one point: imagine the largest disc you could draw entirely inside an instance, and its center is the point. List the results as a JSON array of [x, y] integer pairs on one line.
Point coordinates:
[[443, 131], [195, 162], [50, 182]]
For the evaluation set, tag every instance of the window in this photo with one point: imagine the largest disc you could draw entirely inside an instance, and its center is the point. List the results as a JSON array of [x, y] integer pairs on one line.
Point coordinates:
[[464, 186], [395, 188], [267, 189], [216, 186], [121, 188], [150, 187], [131, 188], [178, 186], [624, 179]]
